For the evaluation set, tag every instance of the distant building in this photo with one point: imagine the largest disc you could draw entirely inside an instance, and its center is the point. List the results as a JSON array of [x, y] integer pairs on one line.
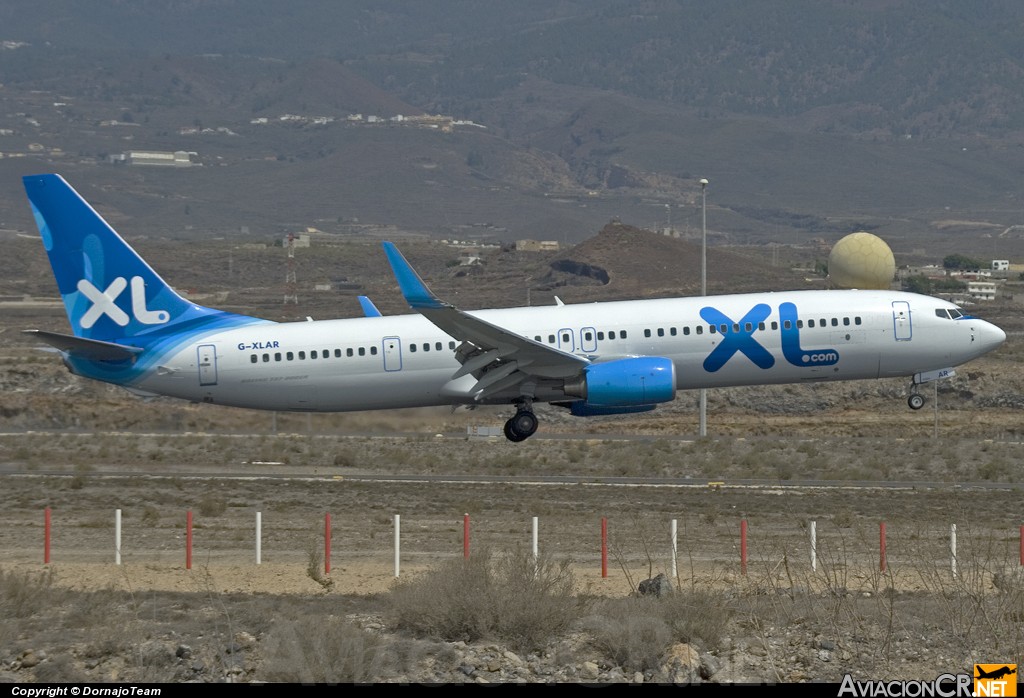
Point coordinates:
[[178, 158], [537, 245], [981, 290], [1000, 265]]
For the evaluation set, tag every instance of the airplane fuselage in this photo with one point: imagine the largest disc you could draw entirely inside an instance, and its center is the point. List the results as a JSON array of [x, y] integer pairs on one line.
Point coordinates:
[[713, 341]]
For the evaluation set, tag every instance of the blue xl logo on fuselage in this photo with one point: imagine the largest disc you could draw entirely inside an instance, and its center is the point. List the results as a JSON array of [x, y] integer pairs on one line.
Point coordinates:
[[741, 339]]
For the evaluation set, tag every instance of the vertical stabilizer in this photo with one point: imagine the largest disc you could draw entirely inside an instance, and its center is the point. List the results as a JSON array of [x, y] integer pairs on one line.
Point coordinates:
[[109, 292]]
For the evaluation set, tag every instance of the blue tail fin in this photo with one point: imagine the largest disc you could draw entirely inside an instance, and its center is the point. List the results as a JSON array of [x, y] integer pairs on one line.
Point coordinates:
[[109, 292]]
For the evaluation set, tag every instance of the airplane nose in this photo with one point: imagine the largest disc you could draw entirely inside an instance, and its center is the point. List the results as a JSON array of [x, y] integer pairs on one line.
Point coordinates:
[[990, 336]]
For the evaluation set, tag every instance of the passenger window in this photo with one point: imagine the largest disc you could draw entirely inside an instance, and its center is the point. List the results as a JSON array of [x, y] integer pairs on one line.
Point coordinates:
[[348, 352], [312, 354], [724, 328], [856, 320], [647, 333], [290, 356], [266, 358], [302, 355], [551, 339], [611, 334], [451, 345], [373, 351], [337, 353], [799, 324], [600, 336], [835, 322], [438, 346], [536, 338], [810, 323], [712, 329], [846, 322], [277, 356], [566, 338], [686, 330], [736, 327], [748, 327], [700, 329], [362, 351], [412, 347], [787, 325], [426, 346], [589, 336], [775, 325], [760, 326], [661, 331], [253, 358], [672, 331], [622, 334]]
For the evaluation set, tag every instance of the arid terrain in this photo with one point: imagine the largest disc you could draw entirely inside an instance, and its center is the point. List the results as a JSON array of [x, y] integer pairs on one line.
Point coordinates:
[[840, 459]]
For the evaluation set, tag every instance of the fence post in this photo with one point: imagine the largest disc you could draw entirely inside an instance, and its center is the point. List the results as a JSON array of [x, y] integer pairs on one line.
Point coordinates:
[[881, 547], [465, 536], [814, 546], [535, 547], [46, 536], [259, 537], [398, 528], [188, 539], [743, 546], [674, 529], [327, 543], [604, 548], [952, 549], [117, 536]]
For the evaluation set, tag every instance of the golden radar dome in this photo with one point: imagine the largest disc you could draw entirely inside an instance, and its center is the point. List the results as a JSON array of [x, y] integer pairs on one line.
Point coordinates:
[[861, 260]]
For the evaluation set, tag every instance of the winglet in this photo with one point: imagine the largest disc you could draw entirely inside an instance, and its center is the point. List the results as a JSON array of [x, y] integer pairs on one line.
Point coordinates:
[[369, 309], [415, 291]]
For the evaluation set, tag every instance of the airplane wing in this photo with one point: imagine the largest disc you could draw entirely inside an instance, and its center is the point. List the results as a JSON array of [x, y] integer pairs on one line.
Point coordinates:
[[499, 358], [93, 349], [369, 309]]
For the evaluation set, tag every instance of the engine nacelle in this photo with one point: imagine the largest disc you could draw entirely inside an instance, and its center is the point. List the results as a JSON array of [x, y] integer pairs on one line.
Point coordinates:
[[645, 380]]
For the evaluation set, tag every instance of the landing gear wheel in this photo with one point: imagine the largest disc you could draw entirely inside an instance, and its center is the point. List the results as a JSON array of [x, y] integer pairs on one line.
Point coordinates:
[[510, 435], [521, 426], [915, 401]]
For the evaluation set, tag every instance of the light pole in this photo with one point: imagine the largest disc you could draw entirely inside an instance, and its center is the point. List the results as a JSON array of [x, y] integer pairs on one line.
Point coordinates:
[[703, 289]]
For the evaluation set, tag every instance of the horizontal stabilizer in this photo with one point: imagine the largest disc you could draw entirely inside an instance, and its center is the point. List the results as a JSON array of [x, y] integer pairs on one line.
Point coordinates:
[[92, 349]]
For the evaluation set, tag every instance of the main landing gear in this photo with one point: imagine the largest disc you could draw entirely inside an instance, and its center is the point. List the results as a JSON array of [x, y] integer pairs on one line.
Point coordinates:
[[916, 400], [522, 425]]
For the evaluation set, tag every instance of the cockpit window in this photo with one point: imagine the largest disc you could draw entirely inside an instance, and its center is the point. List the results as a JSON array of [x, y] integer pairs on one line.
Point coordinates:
[[942, 312], [950, 313]]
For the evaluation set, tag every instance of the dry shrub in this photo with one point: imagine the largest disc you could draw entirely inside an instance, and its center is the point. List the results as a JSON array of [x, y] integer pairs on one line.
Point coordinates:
[[322, 650], [513, 598], [635, 632], [212, 505], [25, 594]]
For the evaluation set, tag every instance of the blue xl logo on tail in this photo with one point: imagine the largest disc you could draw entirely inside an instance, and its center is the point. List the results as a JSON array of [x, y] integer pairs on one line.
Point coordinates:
[[103, 303], [741, 339]]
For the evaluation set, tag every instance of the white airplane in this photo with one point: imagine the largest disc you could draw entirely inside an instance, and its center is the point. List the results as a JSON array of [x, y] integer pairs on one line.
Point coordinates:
[[131, 329]]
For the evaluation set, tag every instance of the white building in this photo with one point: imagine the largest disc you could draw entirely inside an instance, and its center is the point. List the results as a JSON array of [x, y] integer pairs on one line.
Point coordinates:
[[981, 290]]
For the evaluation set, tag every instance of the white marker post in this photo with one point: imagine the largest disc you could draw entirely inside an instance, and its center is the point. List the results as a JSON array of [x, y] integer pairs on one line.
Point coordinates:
[[674, 548], [814, 545], [117, 536], [534, 547], [259, 537], [952, 549], [398, 528]]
